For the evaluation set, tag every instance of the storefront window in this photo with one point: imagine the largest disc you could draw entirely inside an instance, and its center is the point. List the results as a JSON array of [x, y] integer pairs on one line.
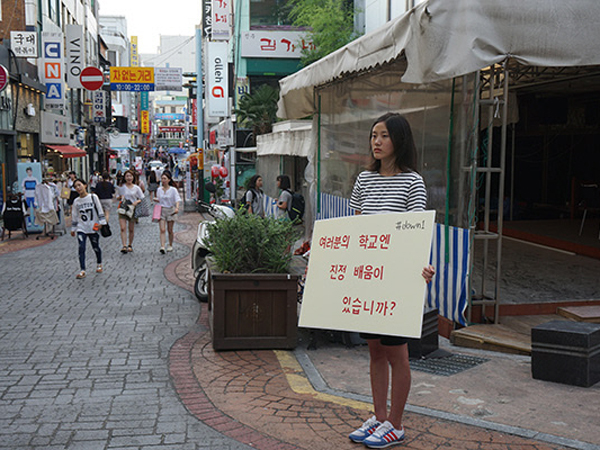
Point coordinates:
[[270, 12]]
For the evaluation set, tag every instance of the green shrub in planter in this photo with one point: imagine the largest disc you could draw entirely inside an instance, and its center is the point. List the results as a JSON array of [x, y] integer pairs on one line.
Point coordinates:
[[250, 244]]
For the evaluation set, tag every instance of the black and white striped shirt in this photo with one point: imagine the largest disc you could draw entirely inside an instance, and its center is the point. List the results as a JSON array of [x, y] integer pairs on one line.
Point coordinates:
[[376, 194]]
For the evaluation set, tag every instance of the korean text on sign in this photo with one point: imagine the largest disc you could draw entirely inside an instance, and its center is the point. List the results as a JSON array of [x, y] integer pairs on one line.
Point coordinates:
[[334, 242], [357, 306]]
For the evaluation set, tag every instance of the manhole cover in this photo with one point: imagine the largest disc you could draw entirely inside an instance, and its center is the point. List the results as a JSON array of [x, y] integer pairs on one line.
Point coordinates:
[[446, 366]]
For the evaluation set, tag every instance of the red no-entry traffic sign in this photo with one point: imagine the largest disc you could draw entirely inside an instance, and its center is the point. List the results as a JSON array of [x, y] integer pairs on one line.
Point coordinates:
[[91, 78], [4, 77]]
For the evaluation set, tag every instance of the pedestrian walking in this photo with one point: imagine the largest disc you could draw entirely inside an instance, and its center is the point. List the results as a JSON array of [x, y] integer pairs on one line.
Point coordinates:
[[131, 192], [391, 184], [284, 202], [105, 191], [87, 216], [254, 196], [167, 196], [152, 184]]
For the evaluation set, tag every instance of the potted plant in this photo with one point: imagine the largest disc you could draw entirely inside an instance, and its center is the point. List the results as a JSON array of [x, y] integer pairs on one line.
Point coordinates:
[[252, 294]]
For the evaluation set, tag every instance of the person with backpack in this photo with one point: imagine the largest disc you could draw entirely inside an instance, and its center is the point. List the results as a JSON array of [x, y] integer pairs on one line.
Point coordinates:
[[284, 202], [290, 204], [253, 198]]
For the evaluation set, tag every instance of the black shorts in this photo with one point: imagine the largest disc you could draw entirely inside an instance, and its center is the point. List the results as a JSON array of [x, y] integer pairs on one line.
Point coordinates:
[[385, 340]]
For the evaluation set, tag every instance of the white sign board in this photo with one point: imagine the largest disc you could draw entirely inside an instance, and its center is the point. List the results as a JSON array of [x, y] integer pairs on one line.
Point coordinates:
[[221, 20], [168, 79], [75, 55], [99, 105], [274, 44], [24, 44], [364, 273], [55, 129], [52, 69], [217, 79]]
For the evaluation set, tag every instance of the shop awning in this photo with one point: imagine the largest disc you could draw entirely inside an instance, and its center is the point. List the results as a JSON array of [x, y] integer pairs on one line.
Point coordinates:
[[287, 142], [68, 151], [442, 39]]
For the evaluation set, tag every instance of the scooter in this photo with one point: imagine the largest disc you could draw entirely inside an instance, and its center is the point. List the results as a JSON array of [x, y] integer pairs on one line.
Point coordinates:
[[199, 250]]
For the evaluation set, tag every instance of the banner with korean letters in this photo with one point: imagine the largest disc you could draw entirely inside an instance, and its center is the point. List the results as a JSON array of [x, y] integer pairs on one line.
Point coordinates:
[[364, 273], [24, 44], [221, 20], [52, 69], [99, 105]]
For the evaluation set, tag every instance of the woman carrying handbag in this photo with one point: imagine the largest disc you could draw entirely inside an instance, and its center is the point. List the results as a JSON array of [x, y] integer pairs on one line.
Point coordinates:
[[87, 217], [168, 198], [131, 192]]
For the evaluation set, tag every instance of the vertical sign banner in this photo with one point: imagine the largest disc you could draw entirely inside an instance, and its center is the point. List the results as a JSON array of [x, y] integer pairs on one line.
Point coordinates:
[[221, 20], [145, 122], [144, 101], [207, 19], [53, 69], [99, 106], [75, 52], [217, 75], [364, 273], [134, 55], [24, 44]]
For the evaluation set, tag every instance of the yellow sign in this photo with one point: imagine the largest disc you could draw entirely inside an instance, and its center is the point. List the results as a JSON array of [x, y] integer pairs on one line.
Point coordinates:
[[133, 47], [364, 273], [132, 79], [145, 122]]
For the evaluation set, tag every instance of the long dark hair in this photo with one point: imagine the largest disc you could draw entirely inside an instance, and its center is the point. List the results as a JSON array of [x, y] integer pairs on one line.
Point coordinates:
[[152, 177], [402, 139], [167, 173], [252, 181], [284, 182]]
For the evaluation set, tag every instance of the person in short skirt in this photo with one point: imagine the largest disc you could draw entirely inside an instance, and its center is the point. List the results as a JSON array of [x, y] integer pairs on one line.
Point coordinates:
[[168, 198]]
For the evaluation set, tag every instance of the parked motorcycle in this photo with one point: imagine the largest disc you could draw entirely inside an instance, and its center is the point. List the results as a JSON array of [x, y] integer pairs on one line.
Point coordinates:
[[199, 250]]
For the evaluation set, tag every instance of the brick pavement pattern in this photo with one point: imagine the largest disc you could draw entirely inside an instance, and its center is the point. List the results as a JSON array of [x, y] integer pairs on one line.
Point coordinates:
[[84, 363], [119, 361]]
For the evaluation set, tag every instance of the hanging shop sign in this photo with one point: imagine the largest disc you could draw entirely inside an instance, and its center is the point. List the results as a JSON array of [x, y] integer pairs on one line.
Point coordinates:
[[168, 79], [99, 106], [221, 20], [55, 129], [24, 44], [134, 59], [275, 44], [137, 79], [217, 79], [75, 54], [53, 69]]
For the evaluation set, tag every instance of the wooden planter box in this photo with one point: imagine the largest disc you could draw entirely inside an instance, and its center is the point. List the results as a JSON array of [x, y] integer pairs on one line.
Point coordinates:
[[252, 311]]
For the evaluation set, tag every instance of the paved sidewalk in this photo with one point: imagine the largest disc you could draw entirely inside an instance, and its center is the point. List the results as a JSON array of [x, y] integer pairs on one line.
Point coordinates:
[[123, 360]]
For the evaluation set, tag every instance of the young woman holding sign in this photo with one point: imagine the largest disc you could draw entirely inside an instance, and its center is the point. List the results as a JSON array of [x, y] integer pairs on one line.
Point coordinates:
[[390, 185]]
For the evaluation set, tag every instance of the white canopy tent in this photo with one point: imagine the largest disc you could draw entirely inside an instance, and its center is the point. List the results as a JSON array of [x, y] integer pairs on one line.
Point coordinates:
[[443, 39], [424, 50]]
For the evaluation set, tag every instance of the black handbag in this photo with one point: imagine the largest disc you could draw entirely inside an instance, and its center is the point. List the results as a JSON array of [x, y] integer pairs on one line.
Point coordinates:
[[104, 229]]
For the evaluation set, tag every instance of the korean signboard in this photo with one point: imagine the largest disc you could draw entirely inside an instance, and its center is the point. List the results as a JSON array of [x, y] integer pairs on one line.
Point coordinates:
[[168, 79], [145, 122], [206, 19], [134, 55], [99, 106], [169, 116], [75, 53], [137, 79], [221, 20], [364, 273], [53, 69], [274, 44], [217, 79], [24, 44]]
